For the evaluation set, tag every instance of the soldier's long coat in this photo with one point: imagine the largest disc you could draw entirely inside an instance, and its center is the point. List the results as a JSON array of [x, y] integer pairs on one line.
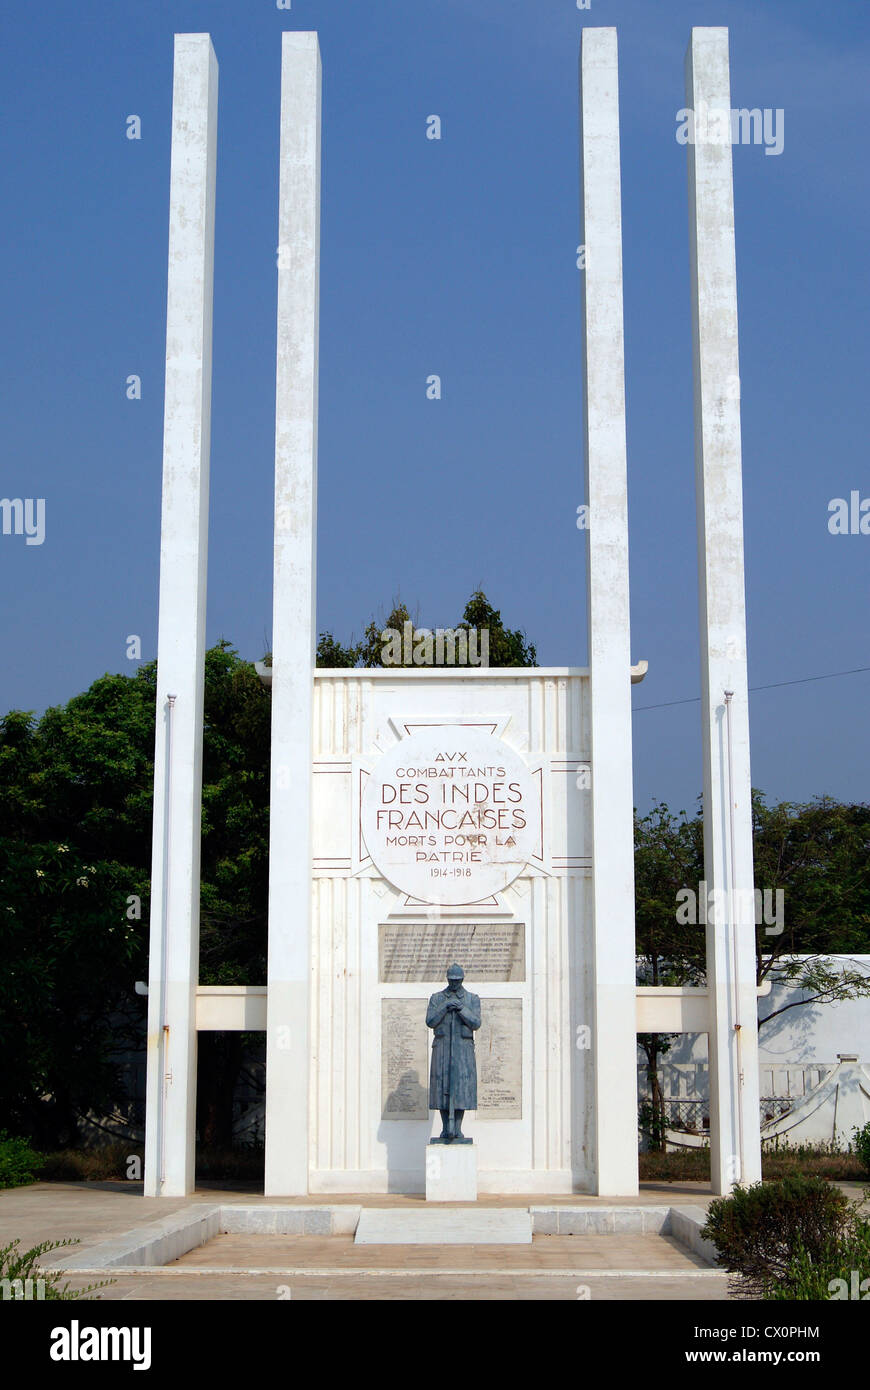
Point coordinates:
[[464, 1067]]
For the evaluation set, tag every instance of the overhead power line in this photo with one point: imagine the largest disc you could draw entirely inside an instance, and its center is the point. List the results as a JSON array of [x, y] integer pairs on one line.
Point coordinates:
[[776, 685]]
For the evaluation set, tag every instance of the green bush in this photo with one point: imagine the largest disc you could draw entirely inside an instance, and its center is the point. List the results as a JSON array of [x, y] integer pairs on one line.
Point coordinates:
[[19, 1163], [862, 1147], [759, 1231], [20, 1268], [837, 1272]]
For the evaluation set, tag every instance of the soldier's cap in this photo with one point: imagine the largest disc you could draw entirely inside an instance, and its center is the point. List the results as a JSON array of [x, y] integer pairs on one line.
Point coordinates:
[[455, 972]]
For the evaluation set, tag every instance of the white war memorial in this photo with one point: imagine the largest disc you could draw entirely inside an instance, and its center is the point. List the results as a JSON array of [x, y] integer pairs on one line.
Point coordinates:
[[426, 815]]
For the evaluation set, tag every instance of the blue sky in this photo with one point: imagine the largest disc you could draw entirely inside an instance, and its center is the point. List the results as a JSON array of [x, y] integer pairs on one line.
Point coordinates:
[[458, 258]]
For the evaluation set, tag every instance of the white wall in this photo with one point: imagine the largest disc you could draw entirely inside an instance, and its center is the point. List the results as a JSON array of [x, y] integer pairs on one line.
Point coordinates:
[[542, 715], [810, 1036]]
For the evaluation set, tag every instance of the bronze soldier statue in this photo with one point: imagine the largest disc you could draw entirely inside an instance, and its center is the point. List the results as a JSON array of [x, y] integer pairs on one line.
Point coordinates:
[[454, 1014]]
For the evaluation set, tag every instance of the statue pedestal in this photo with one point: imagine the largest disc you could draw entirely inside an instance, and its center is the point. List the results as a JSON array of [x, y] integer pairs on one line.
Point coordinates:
[[451, 1173]]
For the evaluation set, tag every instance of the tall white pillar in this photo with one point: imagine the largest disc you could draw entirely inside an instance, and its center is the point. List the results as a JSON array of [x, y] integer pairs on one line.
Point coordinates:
[[293, 622], [733, 1037], [614, 1055], [174, 936]]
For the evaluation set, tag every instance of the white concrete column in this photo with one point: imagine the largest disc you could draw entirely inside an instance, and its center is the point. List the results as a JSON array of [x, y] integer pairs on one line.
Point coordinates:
[[293, 622], [615, 1026], [733, 1037], [174, 959]]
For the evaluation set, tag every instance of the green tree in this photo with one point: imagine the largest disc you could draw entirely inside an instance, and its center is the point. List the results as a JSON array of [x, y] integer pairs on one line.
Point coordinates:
[[814, 853], [74, 849], [507, 646], [371, 649], [668, 854], [76, 792], [331, 653]]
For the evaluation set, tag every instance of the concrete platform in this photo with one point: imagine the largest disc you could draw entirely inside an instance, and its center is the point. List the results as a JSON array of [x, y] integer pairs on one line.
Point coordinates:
[[552, 1268], [304, 1248], [444, 1226], [552, 1256], [92, 1211], [227, 1285]]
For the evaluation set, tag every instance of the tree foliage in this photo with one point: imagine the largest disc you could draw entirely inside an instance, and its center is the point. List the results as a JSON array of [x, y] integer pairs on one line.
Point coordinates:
[[507, 646], [815, 854], [76, 791]]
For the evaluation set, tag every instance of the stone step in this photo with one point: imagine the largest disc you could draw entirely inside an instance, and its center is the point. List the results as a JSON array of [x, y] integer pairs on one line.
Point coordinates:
[[444, 1226]]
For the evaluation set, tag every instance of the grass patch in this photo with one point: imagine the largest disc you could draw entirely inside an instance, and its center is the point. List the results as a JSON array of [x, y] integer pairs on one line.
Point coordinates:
[[111, 1163], [686, 1165], [243, 1164], [693, 1165], [822, 1161], [105, 1164]]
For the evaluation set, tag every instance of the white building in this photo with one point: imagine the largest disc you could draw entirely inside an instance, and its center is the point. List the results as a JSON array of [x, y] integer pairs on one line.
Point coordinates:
[[798, 1052]]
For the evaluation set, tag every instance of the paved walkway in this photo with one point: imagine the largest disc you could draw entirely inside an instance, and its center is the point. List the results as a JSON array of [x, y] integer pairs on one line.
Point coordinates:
[[95, 1211], [590, 1253], [321, 1268], [242, 1267], [413, 1288]]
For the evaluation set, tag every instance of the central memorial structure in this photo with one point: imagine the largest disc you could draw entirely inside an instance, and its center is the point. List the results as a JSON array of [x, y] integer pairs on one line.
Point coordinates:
[[424, 816]]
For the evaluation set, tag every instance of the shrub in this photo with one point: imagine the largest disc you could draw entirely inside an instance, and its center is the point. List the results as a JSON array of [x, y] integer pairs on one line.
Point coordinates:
[[90, 1165], [862, 1147], [837, 1272], [20, 1269], [19, 1163], [760, 1230], [818, 1160]]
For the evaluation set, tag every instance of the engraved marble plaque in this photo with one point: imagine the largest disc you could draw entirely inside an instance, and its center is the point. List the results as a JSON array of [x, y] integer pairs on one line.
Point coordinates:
[[498, 1045], [488, 951], [404, 1060], [451, 814]]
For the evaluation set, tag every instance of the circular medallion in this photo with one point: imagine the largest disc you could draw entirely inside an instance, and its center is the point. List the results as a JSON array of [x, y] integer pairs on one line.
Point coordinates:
[[450, 815]]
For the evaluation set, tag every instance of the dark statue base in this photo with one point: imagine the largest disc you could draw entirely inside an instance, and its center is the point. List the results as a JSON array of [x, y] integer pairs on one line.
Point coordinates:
[[462, 1139]]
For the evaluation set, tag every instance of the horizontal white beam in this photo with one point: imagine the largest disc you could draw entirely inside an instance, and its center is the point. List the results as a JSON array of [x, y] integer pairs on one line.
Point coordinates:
[[677, 1008], [393, 673], [231, 1008], [660, 1008]]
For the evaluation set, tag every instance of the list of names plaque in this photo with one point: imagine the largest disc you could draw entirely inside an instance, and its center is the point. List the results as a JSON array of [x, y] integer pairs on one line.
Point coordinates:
[[404, 1060], [489, 952], [498, 1044]]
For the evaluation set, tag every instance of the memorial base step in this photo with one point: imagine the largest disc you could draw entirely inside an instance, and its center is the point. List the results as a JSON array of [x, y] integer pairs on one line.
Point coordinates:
[[444, 1226]]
